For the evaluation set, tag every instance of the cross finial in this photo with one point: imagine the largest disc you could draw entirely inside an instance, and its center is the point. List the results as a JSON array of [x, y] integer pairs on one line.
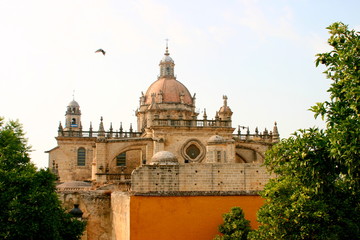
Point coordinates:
[[167, 47], [225, 100]]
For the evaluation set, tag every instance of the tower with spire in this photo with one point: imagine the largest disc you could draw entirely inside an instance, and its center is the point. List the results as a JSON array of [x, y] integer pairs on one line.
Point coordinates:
[[167, 65], [73, 117]]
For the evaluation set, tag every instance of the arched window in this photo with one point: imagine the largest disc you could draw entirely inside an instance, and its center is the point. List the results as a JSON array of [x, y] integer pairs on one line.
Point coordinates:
[[121, 159], [81, 157]]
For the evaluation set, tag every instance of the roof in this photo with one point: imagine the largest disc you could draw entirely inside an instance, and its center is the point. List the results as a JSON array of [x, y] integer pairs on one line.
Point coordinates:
[[170, 89]]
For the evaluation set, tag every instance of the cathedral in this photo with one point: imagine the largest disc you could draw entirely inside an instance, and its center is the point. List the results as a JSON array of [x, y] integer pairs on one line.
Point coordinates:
[[173, 152]]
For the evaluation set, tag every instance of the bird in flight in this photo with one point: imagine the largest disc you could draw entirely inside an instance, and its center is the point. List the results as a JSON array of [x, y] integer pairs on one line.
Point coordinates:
[[100, 50]]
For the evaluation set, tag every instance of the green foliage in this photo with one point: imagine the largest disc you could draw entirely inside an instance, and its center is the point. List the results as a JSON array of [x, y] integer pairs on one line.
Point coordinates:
[[235, 225], [316, 194], [343, 110], [307, 199], [30, 207]]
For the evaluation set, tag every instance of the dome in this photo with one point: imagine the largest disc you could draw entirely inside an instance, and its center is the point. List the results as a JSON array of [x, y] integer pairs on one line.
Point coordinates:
[[73, 103], [74, 185], [171, 90], [164, 158], [167, 58], [224, 109], [216, 139]]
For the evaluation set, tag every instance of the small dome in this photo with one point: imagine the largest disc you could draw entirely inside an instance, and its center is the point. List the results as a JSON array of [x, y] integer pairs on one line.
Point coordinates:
[[73, 103], [216, 139], [164, 158], [224, 109], [167, 58], [74, 185]]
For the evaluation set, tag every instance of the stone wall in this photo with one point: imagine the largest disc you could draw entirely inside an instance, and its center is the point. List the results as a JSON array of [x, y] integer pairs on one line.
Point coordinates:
[[245, 177], [64, 157], [120, 207], [96, 207]]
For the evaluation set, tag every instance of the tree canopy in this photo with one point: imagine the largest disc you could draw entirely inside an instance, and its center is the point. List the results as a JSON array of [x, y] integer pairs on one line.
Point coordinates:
[[235, 226], [315, 194], [30, 207]]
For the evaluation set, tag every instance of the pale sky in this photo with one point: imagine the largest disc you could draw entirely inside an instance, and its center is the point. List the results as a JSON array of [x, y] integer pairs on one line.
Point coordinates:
[[259, 53]]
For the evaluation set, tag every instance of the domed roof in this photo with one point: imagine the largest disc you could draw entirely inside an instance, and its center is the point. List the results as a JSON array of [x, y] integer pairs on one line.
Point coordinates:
[[225, 109], [171, 89], [164, 158], [74, 185], [167, 58], [73, 103], [216, 139]]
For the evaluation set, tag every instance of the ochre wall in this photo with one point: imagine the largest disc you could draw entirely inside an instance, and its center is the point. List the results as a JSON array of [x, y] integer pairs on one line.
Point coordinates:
[[185, 217]]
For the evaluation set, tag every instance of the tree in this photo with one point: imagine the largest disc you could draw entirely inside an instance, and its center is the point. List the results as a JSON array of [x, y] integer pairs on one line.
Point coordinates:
[[30, 207], [235, 225], [342, 112], [315, 194]]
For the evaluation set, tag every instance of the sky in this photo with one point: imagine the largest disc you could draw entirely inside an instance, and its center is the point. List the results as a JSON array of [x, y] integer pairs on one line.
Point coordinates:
[[258, 53]]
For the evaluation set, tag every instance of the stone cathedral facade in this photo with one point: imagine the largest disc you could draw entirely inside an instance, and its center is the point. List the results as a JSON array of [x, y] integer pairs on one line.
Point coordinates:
[[172, 151]]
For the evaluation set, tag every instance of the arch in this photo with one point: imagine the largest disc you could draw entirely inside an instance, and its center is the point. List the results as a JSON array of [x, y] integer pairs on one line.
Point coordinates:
[[257, 154], [81, 156], [241, 158], [128, 147], [112, 160]]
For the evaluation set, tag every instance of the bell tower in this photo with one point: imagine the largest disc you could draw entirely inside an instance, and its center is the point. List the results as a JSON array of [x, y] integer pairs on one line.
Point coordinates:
[[73, 117], [167, 65]]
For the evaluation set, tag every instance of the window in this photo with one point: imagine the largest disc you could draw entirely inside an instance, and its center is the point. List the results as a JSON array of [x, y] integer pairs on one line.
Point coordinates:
[[218, 156], [121, 159], [193, 151], [81, 157], [73, 123]]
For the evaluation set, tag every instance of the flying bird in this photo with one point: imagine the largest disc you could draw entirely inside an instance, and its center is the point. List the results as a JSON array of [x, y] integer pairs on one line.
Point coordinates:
[[100, 50]]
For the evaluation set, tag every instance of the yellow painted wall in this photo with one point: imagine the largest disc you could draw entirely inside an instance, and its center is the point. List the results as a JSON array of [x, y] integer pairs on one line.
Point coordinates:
[[185, 217]]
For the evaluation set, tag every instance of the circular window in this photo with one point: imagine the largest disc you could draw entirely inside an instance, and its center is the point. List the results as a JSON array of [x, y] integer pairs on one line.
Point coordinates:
[[193, 151]]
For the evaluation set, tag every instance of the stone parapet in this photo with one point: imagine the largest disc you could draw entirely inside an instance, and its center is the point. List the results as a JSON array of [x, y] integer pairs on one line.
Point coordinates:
[[236, 177]]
